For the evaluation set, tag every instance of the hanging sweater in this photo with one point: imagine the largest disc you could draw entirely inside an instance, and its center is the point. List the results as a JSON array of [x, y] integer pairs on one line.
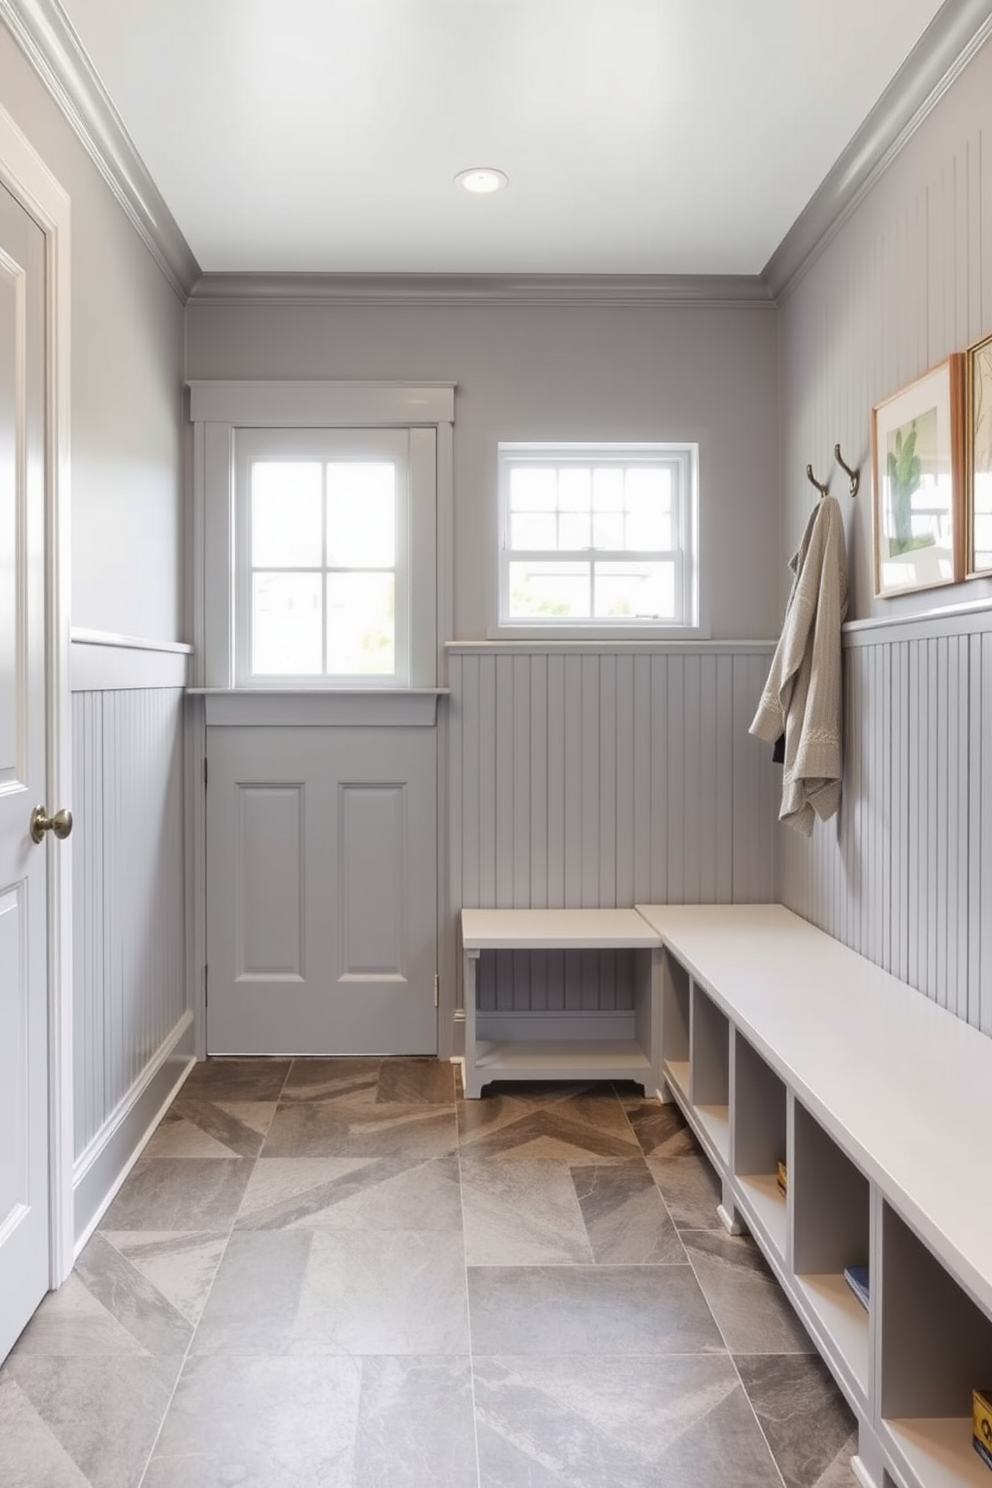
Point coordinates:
[[802, 697]]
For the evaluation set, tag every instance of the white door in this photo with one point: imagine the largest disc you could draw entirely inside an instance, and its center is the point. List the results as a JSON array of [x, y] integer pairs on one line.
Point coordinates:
[[24, 1228], [321, 890]]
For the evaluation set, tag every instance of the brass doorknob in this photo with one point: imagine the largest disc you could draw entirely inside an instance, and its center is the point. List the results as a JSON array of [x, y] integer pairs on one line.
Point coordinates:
[[41, 822]]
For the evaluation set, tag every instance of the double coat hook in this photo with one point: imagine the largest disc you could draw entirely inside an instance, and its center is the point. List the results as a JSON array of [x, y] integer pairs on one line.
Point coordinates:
[[853, 475]]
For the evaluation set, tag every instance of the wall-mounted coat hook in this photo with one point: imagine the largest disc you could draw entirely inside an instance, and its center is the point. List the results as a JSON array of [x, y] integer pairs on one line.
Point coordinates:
[[822, 486], [853, 475]]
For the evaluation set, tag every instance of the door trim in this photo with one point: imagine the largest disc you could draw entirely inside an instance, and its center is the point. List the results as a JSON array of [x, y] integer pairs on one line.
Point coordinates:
[[28, 179]]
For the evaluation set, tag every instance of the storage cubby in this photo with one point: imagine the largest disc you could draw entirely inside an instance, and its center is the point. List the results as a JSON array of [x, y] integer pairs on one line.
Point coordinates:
[[936, 1346], [709, 1079], [675, 998], [831, 1229], [759, 1142]]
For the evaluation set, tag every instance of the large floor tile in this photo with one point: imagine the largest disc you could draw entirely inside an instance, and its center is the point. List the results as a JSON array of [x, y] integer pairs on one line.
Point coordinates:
[[252, 1305], [73, 1323], [318, 1128], [69, 1422], [353, 1079], [181, 1267], [428, 1082], [646, 1310], [625, 1218], [416, 1426], [522, 1213], [602, 1421], [133, 1299], [661, 1131], [196, 1127], [752, 1311], [575, 1124], [171, 1193], [32, 1456], [337, 1193], [260, 1423], [243, 1079], [810, 1429], [690, 1188], [382, 1292]]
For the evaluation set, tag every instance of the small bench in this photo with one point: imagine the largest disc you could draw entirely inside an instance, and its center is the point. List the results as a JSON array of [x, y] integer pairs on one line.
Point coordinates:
[[619, 1042]]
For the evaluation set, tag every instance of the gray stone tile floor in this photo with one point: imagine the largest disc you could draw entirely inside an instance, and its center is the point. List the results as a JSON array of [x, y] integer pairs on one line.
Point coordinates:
[[338, 1274]]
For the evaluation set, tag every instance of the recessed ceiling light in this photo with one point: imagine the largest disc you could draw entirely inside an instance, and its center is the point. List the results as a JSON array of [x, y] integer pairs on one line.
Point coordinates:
[[481, 180]]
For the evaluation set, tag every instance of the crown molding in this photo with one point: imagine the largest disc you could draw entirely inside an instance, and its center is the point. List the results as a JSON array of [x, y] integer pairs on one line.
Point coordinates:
[[703, 291], [957, 32], [45, 35]]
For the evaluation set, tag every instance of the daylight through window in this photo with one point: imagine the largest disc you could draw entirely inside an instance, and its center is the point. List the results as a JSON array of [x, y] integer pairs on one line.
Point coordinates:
[[597, 536]]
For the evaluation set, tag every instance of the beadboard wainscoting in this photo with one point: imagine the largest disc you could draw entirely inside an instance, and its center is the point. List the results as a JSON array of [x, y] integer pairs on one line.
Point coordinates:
[[132, 1030], [902, 874], [596, 777]]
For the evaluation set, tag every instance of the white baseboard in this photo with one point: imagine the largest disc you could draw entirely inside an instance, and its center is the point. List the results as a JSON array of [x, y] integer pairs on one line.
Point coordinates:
[[99, 1171], [862, 1474]]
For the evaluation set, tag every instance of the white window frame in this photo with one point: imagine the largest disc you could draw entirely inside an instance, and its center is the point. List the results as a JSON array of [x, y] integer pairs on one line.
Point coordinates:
[[218, 410], [684, 454]]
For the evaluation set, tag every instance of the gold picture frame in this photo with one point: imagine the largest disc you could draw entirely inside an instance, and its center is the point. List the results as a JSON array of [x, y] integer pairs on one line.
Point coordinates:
[[978, 454], [917, 459]]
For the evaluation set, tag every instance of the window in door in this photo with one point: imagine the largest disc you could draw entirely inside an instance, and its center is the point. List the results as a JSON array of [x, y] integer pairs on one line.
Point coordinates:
[[322, 528]]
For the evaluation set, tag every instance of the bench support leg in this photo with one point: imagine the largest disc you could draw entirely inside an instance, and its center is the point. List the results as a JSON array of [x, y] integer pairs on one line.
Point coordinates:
[[728, 1214]]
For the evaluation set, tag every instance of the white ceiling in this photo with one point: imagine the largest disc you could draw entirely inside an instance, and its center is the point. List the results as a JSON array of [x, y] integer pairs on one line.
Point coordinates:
[[639, 136]]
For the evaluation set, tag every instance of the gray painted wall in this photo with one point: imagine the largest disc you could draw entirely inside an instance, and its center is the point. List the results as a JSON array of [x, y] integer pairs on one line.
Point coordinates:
[[903, 874], [126, 398], [547, 372], [131, 1032]]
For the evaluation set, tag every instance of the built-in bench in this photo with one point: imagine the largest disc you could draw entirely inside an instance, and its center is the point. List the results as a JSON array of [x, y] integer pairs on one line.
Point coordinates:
[[781, 1045]]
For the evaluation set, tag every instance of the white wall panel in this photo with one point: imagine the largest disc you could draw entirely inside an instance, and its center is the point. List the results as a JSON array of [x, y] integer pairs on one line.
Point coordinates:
[[128, 953], [598, 779]]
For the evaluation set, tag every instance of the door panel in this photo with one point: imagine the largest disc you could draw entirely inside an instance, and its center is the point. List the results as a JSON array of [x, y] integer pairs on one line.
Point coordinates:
[[269, 875], [321, 890], [24, 1235]]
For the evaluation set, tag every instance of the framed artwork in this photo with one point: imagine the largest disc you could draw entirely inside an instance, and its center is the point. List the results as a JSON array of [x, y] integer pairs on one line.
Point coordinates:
[[917, 448], [978, 454]]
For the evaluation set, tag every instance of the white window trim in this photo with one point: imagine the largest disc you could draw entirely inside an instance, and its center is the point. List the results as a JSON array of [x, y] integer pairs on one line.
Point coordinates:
[[501, 628], [219, 408]]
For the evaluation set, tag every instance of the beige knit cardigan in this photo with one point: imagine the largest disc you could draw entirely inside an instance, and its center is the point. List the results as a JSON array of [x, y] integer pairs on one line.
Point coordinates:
[[802, 697]]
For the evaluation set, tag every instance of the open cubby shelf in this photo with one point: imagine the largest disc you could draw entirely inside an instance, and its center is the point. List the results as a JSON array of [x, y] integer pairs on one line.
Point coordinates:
[[779, 1044]]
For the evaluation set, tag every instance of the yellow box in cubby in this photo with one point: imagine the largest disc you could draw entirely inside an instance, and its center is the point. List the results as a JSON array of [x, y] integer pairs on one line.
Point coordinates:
[[981, 1424]]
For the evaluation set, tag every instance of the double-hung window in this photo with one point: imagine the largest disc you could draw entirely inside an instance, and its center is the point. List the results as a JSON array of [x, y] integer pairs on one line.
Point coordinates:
[[598, 538]]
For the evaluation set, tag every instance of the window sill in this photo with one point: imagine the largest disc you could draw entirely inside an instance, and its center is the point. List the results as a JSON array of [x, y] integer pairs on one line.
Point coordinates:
[[234, 707]]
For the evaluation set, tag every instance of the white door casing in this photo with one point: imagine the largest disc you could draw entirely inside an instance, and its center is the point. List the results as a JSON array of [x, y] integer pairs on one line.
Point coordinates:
[[23, 886], [36, 1245], [321, 890]]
